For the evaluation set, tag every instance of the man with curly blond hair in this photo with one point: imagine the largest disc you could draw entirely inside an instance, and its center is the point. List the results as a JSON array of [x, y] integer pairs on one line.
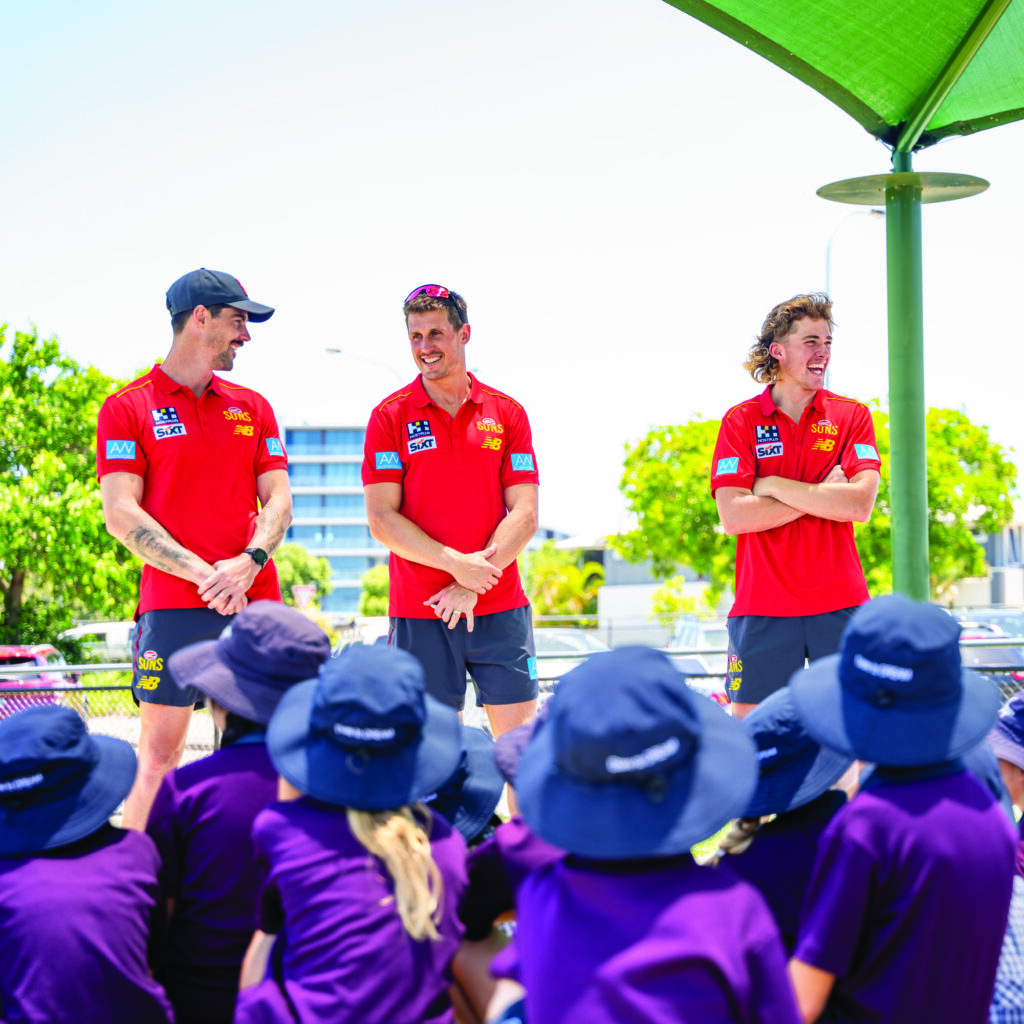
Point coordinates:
[[793, 469]]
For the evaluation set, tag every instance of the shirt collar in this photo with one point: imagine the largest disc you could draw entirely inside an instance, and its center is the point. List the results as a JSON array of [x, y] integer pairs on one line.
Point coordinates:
[[818, 402], [169, 385], [421, 399]]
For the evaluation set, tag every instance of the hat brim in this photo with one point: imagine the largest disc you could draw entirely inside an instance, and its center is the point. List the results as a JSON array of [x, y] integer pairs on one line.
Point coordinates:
[[892, 735], [617, 821], [200, 666], [800, 783], [379, 780], [1003, 747], [509, 747], [481, 790], [258, 313], [45, 825]]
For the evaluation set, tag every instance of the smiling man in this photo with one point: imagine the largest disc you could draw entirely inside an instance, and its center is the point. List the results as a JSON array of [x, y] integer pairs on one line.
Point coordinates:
[[194, 481], [793, 469], [450, 479]]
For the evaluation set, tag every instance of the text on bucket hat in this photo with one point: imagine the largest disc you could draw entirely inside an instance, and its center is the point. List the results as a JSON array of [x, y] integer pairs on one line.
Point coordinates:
[[58, 784], [264, 650], [896, 693], [204, 287], [793, 767], [631, 763], [1007, 736], [364, 733]]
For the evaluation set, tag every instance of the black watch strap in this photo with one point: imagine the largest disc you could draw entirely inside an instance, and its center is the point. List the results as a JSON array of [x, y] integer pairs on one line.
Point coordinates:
[[258, 555]]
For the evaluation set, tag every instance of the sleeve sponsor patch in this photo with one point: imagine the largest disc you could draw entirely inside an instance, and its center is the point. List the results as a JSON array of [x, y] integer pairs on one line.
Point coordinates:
[[274, 447], [120, 449], [387, 460], [522, 462], [865, 451], [727, 466]]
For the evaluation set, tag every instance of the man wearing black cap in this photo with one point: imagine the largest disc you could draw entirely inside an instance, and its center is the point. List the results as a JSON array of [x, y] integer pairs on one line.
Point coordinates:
[[194, 481]]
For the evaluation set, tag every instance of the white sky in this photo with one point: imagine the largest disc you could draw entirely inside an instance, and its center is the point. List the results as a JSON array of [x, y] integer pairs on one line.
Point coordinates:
[[620, 193]]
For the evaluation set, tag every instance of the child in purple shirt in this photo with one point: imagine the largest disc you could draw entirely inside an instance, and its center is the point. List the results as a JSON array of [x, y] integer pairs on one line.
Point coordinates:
[[907, 905], [77, 896], [203, 814], [629, 770], [358, 917], [795, 779]]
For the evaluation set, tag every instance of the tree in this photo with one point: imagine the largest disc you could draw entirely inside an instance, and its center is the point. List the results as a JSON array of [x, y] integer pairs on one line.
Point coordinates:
[[373, 599], [557, 584], [296, 565], [56, 558], [666, 482]]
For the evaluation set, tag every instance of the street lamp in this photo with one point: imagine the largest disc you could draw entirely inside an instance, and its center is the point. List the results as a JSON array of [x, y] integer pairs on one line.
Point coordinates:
[[873, 211]]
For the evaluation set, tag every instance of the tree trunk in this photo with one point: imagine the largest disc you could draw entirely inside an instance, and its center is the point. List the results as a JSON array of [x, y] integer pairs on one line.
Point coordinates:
[[12, 603]]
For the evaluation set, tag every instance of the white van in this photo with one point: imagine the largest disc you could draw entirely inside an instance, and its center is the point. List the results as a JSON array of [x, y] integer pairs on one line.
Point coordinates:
[[103, 641]]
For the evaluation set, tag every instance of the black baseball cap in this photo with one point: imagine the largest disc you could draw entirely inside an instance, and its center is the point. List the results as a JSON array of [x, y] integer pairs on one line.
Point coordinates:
[[204, 287]]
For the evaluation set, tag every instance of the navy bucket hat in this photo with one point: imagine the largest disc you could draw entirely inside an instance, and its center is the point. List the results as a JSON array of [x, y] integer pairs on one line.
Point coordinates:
[[468, 799], [264, 650], [58, 784], [896, 693], [1007, 736], [793, 767], [364, 733], [631, 763]]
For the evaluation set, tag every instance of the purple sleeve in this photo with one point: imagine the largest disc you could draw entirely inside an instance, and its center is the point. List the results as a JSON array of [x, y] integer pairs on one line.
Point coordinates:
[[162, 828], [837, 898], [506, 963], [772, 998]]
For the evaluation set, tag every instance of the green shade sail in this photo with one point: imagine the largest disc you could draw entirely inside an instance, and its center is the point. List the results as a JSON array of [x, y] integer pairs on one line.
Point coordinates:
[[910, 72]]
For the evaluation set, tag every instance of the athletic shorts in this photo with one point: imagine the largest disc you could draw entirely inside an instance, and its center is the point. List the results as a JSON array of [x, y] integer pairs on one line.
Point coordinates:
[[498, 654], [158, 634], [765, 650]]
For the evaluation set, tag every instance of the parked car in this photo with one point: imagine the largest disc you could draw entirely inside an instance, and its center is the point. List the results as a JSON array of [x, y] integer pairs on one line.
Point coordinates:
[[50, 663], [698, 649], [103, 641], [1003, 665], [561, 649]]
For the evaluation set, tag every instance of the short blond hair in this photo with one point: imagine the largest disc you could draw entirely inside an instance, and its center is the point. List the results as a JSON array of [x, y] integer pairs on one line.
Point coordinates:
[[761, 364]]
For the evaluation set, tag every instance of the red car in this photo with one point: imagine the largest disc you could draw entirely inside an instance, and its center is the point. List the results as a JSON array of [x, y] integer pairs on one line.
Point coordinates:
[[50, 662]]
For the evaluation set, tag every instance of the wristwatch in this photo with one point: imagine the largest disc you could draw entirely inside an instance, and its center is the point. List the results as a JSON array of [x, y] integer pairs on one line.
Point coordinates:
[[258, 555]]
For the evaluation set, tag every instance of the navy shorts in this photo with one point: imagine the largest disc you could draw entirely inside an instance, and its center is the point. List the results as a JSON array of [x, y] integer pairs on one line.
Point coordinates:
[[498, 654], [158, 634], [765, 650]]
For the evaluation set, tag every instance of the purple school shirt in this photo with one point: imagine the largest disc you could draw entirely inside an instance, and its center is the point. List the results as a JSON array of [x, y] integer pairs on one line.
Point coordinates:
[[908, 902], [660, 941], [780, 859], [1019, 861], [201, 822], [495, 869], [74, 922], [341, 949]]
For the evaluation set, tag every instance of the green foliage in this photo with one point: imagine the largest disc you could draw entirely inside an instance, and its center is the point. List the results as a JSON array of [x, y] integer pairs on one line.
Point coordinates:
[[373, 600], [971, 487], [665, 481], [557, 584], [56, 557], [671, 599], [296, 565]]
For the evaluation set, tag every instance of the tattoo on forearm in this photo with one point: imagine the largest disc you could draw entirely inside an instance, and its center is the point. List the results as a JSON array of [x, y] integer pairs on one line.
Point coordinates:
[[158, 549], [271, 526]]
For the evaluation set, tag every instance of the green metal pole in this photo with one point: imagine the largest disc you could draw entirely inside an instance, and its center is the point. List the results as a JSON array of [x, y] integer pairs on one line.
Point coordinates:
[[908, 472]]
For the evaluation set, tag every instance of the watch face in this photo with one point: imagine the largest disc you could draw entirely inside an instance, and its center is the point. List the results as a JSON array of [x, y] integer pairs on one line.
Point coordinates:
[[258, 555]]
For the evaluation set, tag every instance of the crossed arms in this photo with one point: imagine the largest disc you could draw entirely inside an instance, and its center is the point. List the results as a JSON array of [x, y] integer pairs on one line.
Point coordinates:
[[474, 572], [777, 500], [223, 584]]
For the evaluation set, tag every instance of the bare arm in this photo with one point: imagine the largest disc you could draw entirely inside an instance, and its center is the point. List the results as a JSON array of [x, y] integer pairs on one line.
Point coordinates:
[[510, 536], [138, 531], [840, 500], [472, 570], [257, 956], [741, 511], [812, 987], [231, 578]]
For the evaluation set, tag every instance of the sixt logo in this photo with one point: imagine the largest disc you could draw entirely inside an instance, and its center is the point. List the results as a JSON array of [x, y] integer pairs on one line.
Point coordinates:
[[488, 425], [417, 428], [387, 460], [767, 451], [766, 434], [422, 444], [162, 430], [522, 462], [120, 449], [727, 466]]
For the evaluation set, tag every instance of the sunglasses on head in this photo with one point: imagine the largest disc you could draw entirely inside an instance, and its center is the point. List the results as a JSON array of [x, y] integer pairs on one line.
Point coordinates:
[[436, 291]]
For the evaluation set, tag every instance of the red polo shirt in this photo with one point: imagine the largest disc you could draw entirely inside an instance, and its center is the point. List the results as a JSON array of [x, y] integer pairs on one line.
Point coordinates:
[[810, 565], [199, 459], [453, 472]]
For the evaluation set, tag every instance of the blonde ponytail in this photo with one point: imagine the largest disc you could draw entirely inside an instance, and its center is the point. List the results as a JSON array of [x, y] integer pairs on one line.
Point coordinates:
[[401, 842]]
